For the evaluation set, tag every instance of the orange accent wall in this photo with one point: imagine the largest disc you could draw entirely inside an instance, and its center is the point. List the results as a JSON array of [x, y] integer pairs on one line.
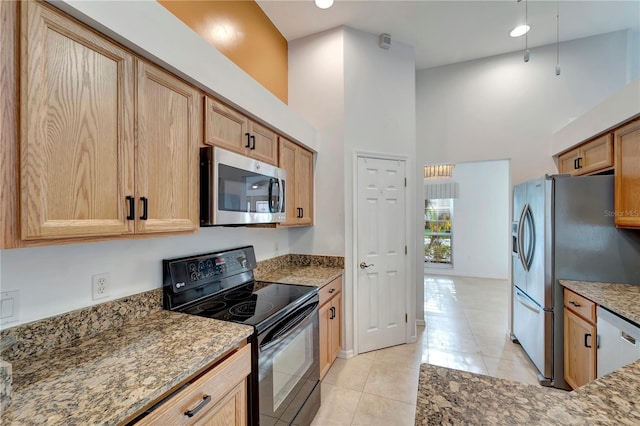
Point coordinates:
[[244, 34]]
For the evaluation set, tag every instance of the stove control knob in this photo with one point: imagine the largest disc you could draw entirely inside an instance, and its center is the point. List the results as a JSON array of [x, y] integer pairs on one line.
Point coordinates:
[[192, 267], [194, 276]]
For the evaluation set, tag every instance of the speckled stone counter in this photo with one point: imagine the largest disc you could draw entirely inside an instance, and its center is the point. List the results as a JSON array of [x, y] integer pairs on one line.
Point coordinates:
[[623, 299], [308, 270], [110, 376], [447, 396]]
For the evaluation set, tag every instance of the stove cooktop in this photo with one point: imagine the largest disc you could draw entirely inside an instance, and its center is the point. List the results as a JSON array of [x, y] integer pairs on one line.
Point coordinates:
[[243, 304]]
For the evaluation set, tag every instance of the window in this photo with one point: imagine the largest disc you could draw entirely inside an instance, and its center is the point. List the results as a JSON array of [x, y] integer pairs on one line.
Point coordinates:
[[438, 214]]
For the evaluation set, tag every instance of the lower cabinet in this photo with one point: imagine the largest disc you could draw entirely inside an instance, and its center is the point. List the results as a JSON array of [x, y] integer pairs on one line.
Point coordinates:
[[580, 339], [216, 398], [330, 324]]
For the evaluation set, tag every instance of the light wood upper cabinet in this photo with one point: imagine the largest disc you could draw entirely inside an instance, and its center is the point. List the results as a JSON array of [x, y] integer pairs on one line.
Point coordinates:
[[167, 156], [98, 158], [77, 121], [591, 157], [627, 177], [580, 339], [229, 129], [298, 163]]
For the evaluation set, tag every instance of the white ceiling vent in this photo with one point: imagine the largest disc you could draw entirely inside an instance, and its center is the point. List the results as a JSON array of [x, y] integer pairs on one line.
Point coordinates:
[[384, 41]]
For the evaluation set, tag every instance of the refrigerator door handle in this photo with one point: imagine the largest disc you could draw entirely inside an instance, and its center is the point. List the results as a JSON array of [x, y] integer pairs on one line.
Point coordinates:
[[532, 240], [520, 234], [523, 300]]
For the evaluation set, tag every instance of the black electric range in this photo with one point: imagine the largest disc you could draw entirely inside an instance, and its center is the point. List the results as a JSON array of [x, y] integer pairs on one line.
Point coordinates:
[[221, 285]]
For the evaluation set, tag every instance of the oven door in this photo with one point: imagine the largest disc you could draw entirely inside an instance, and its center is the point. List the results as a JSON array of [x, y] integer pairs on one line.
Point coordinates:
[[289, 368], [239, 190]]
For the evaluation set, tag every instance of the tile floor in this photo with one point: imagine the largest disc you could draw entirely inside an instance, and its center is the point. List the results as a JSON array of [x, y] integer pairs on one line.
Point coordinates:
[[466, 329]]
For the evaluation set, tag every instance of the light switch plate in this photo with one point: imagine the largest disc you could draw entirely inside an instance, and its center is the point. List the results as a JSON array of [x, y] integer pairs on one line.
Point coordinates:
[[9, 306]]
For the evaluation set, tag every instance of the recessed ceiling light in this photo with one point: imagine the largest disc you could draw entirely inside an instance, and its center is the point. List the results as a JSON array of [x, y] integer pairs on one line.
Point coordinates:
[[520, 30], [324, 4]]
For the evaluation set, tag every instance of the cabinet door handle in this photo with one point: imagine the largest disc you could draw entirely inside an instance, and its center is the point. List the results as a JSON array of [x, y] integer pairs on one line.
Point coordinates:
[[248, 145], [332, 290], [333, 313], [253, 142], [576, 304], [586, 340], [579, 162], [145, 208], [299, 212], [575, 164], [205, 400], [132, 207]]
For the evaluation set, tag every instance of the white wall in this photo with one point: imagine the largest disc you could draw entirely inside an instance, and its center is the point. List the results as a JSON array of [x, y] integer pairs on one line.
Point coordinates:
[[480, 221], [502, 107], [316, 92], [361, 98], [57, 279]]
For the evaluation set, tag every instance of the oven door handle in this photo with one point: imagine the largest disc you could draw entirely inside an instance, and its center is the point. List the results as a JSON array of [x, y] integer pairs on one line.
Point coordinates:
[[288, 325]]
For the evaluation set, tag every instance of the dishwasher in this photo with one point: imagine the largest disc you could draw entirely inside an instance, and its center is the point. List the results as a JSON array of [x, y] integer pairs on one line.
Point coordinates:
[[619, 342]]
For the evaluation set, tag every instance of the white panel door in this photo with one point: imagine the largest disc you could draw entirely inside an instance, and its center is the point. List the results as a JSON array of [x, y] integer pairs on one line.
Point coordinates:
[[382, 275]]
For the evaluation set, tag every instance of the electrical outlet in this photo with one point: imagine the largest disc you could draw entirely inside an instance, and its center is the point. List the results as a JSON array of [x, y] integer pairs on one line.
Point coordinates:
[[101, 286]]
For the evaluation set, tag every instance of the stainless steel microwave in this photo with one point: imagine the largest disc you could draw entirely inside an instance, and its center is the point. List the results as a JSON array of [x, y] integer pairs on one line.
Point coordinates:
[[238, 190]]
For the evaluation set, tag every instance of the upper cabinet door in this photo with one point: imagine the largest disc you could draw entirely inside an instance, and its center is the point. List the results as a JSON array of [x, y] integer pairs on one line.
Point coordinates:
[[627, 166], [225, 127], [568, 162], [76, 143], [167, 160], [304, 186], [264, 144], [298, 163], [597, 155], [288, 163]]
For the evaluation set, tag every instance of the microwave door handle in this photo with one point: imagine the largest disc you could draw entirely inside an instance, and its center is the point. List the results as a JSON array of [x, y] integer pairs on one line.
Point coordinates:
[[281, 195], [272, 182]]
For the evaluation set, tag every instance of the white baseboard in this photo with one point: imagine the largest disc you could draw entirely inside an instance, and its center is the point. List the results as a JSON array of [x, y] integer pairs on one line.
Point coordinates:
[[346, 354], [453, 273]]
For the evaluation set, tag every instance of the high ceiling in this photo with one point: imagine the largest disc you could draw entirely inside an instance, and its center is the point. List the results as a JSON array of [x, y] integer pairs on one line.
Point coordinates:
[[446, 32]]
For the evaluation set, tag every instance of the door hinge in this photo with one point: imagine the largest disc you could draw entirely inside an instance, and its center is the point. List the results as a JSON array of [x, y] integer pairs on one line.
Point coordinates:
[[406, 317], [405, 250]]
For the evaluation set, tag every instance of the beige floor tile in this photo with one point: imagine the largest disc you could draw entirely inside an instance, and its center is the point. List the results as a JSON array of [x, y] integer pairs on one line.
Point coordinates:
[[520, 371], [500, 347], [350, 373], [446, 324], [409, 355], [489, 315], [443, 340], [338, 406], [390, 380], [482, 328], [377, 410], [458, 360]]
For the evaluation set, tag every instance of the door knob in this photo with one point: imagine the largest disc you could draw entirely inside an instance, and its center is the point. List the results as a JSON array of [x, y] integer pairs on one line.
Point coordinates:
[[364, 265]]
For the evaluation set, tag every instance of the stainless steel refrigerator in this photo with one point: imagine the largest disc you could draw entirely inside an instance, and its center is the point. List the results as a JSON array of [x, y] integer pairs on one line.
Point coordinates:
[[563, 228]]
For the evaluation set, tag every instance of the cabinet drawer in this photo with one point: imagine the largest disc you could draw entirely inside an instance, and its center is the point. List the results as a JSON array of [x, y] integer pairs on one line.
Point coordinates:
[[207, 391], [580, 305], [330, 290]]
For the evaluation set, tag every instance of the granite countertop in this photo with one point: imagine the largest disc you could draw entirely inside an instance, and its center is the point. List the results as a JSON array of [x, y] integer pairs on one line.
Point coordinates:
[[448, 396], [109, 377], [316, 276], [623, 299]]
